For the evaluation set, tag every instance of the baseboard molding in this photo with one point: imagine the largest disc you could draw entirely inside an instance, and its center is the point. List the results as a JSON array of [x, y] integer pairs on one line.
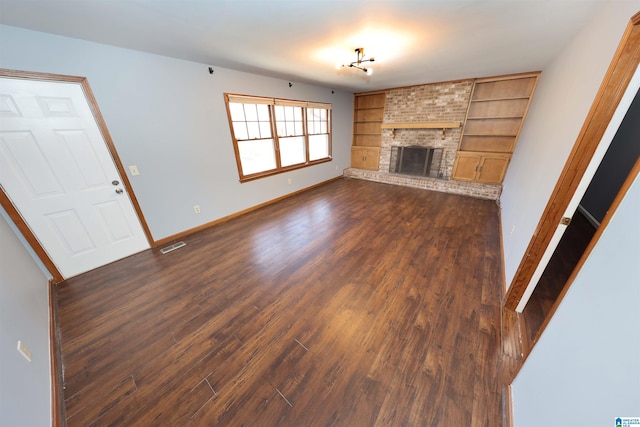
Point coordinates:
[[507, 395], [502, 262], [185, 233], [589, 217], [57, 406]]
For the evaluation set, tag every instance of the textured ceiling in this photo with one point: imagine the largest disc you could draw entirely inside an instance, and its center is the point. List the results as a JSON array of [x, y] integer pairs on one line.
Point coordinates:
[[414, 42]]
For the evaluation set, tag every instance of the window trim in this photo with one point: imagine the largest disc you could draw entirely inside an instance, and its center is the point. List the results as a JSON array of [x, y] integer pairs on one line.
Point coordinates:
[[272, 102]]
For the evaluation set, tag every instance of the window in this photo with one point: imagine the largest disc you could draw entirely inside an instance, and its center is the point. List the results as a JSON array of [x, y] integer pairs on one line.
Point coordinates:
[[276, 135]]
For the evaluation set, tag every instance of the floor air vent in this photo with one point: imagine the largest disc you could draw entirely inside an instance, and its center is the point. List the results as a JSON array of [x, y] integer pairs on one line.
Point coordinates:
[[173, 247]]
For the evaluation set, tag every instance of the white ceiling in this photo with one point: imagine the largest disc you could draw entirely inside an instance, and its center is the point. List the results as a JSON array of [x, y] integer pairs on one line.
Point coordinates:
[[413, 41]]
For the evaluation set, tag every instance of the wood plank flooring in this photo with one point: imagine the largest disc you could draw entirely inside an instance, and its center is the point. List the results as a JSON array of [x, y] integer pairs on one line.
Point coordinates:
[[352, 304]]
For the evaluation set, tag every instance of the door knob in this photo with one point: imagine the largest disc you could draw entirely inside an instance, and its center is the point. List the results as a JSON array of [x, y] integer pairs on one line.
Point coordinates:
[[114, 182], [119, 190]]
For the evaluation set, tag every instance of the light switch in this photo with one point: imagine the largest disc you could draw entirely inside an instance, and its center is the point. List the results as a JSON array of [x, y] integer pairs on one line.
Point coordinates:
[[24, 351], [134, 170]]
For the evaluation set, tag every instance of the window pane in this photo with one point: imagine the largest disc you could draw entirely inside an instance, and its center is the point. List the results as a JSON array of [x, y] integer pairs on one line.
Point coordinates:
[[288, 112], [254, 130], [251, 113], [280, 113], [236, 111], [317, 121], [257, 155], [289, 121], [292, 151], [265, 129], [263, 112], [240, 130], [318, 147]]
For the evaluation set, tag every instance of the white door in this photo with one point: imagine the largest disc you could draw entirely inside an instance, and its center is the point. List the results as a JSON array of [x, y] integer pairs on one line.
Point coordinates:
[[56, 169]]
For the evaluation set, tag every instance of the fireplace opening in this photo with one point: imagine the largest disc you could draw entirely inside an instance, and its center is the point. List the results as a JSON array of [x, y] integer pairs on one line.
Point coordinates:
[[416, 161]]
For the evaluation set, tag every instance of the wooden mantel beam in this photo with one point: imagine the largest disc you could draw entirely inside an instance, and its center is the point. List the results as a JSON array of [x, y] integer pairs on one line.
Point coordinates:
[[423, 125]]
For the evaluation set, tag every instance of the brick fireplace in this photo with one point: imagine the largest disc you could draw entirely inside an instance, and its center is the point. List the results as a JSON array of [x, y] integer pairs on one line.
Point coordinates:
[[438, 102]]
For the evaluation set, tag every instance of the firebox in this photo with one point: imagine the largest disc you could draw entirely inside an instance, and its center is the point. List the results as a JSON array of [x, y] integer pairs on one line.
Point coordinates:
[[416, 160]]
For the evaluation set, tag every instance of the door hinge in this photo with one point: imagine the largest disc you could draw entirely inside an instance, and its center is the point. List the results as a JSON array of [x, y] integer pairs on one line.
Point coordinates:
[[565, 220]]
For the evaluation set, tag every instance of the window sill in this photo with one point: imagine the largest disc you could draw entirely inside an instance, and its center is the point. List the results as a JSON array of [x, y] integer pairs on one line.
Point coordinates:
[[265, 174]]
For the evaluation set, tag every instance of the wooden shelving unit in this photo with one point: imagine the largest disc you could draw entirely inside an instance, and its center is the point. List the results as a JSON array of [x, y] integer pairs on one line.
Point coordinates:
[[367, 131], [497, 109]]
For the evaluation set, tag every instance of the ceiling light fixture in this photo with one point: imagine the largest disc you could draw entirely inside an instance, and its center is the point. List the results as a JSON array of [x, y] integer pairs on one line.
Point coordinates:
[[360, 60]]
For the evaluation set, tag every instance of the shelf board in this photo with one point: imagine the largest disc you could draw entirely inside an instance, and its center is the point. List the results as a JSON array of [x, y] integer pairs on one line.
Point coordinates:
[[494, 117], [500, 99], [424, 125], [489, 134], [499, 153]]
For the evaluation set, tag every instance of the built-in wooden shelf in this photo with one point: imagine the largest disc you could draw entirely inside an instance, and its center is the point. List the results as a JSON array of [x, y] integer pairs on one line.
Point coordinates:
[[424, 125], [368, 114], [497, 109]]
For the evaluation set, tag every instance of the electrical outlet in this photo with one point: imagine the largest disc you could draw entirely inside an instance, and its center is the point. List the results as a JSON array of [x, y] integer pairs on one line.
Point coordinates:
[[134, 170], [24, 351], [196, 208], [336, 167], [289, 181], [513, 227]]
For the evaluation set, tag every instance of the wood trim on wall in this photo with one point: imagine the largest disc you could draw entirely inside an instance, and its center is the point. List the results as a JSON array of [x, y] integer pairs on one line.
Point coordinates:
[[185, 233], [373, 92], [614, 84], [489, 79], [31, 239], [6, 202], [55, 359], [470, 79], [508, 407]]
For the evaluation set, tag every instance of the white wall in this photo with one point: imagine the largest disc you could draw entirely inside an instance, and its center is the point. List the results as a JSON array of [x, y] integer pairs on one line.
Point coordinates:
[[565, 92], [168, 117], [585, 370], [25, 389]]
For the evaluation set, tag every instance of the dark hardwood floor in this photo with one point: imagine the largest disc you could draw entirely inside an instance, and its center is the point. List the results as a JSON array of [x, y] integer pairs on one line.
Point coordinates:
[[352, 304]]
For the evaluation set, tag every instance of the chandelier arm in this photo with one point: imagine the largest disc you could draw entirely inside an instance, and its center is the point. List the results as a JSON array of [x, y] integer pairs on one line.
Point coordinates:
[[360, 60]]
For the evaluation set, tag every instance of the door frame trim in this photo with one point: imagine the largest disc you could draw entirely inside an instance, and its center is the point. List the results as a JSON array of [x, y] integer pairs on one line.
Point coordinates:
[[613, 86], [13, 212]]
